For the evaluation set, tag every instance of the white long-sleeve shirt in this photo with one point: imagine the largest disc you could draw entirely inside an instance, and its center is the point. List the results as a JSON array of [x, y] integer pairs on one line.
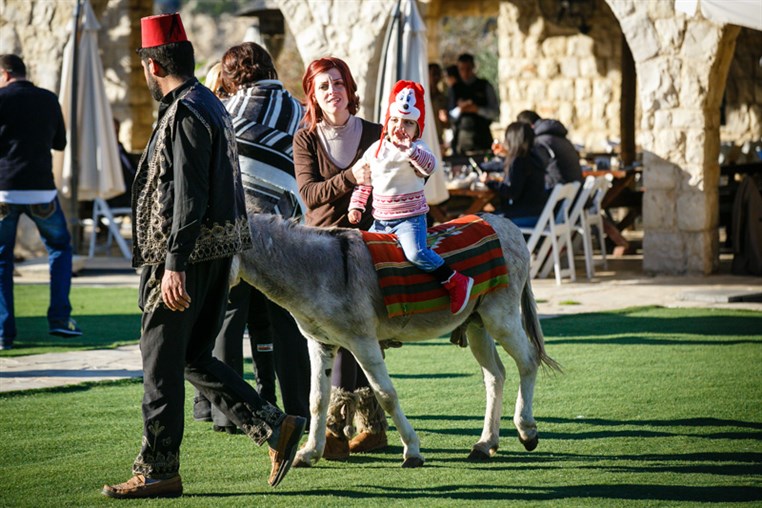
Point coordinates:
[[397, 180]]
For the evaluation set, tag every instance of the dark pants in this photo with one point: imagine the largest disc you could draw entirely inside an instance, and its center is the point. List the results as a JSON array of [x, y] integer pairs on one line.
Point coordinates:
[[347, 373], [277, 347], [177, 346]]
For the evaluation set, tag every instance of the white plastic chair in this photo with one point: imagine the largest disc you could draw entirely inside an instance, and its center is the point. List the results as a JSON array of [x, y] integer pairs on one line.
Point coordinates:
[[586, 212], [103, 213], [552, 227], [591, 215]]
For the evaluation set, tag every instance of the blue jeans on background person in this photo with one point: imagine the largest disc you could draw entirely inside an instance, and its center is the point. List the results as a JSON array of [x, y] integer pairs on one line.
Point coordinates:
[[51, 223], [525, 222], [411, 235]]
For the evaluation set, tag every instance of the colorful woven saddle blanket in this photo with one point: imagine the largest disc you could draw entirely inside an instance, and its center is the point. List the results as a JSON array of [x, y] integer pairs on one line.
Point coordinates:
[[467, 244]]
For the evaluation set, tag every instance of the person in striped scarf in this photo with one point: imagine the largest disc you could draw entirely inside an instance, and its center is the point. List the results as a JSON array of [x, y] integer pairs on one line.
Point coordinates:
[[265, 117]]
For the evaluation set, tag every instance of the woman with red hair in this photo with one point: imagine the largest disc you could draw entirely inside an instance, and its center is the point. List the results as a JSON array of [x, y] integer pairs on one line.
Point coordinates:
[[326, 154]]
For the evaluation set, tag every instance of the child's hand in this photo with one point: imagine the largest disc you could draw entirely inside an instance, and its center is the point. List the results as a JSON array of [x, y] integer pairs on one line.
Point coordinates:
[[355, 216], [400, 139]]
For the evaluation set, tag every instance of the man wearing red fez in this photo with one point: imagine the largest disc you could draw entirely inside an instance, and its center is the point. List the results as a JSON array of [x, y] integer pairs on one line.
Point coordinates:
[[189, 220]]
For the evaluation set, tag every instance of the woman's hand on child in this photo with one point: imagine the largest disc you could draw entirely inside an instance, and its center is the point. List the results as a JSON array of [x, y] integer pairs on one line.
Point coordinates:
[[361, 172], [354, 216]]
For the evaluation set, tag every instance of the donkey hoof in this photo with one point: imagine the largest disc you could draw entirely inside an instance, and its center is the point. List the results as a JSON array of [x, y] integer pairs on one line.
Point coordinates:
[[530, 444], [300, 463], [478, 455], [413, 462]]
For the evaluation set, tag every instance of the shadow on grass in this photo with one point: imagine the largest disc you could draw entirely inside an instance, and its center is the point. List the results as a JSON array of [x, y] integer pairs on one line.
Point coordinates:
[[83, 373], [680, 422], [660, 321], [80, 387], [687, 427], [472, 492], [98, 331]]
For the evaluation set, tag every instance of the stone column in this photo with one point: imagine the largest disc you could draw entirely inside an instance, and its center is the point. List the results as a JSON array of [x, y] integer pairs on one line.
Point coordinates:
[[681, 65]]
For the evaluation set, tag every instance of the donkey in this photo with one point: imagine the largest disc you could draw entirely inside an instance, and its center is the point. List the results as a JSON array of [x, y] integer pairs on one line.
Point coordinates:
[[326, 279]]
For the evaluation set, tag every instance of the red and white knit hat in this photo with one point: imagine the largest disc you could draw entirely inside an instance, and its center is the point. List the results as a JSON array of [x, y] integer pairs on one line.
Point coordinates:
[[407, 101]]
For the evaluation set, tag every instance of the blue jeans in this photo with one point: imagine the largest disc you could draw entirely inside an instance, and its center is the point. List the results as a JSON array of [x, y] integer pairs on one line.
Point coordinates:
[[51, 223], [525, 222], [411, 234]]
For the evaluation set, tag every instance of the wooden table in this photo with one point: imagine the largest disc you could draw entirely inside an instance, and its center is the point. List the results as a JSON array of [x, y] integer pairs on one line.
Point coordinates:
[[477, 200]]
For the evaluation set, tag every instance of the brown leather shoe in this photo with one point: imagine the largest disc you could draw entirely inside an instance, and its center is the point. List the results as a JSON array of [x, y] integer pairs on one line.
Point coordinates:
[[336, 448], [137, 487], [367, 442], [282, 456]]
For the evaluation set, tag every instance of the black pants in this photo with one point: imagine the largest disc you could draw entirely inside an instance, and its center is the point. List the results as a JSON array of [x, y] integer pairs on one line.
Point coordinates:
[[277, 348], [177, 346], [347, 373]]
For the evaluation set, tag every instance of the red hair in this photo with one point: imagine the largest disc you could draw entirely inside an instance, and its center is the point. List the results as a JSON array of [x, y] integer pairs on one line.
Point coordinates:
[[313, 114]]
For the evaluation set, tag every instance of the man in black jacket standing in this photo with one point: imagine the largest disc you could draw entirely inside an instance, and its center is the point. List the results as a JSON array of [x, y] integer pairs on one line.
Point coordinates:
[[189, 221], [473, 106], [31, 124]]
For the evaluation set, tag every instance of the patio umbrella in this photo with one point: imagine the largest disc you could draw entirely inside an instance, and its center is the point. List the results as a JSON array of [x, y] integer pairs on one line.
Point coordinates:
[[746, 13], [404, 56], [98, 173]]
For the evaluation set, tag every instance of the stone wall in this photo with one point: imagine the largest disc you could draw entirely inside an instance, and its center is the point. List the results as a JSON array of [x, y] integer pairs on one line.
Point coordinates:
[[38, 31], [560, 72]]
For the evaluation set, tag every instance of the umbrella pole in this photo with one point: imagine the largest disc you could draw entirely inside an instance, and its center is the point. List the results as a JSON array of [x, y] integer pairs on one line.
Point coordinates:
[[76, 232], [395, 18], [400, 24]]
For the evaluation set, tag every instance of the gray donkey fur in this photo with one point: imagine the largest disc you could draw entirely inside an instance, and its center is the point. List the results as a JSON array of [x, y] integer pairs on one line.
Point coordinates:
[[326, 279]]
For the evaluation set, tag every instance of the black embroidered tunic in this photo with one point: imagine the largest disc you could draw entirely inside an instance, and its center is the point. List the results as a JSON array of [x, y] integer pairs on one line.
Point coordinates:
[[184, 210]]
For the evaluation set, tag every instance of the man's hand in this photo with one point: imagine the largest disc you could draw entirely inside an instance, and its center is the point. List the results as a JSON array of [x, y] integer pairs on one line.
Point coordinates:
[[355, 216], [173, 291], [467, 106]]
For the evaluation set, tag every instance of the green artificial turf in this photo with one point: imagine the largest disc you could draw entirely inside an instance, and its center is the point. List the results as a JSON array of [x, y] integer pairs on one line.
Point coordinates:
[[109, 317], [656, 407]]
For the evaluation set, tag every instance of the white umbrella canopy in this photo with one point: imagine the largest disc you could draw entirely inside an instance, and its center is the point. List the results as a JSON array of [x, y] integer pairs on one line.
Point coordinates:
[[99, 173], [746, 13], [405, 56]]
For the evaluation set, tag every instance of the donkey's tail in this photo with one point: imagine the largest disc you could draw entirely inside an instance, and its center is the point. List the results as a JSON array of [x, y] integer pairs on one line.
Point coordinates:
[[531, 322]]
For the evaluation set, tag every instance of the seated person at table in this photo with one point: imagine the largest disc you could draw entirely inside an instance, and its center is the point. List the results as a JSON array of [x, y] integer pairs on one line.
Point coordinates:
[[560, 158], [522, 189], [399, 162]]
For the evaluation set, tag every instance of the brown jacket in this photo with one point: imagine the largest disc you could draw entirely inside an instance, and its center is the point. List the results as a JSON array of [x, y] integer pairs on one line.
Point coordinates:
[[325, 188]]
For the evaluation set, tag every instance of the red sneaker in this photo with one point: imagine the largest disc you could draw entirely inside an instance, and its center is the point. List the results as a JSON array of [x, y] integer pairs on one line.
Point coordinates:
[[459, 286]]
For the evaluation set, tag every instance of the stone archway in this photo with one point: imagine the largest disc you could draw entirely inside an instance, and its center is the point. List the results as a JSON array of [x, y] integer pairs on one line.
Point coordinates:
[[682, 65]]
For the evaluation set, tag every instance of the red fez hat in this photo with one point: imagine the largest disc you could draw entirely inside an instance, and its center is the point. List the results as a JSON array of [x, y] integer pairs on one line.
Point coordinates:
[[161, 29]]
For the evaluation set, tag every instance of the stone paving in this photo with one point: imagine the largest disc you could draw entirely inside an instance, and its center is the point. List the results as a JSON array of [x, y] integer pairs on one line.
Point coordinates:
[[623, 285]]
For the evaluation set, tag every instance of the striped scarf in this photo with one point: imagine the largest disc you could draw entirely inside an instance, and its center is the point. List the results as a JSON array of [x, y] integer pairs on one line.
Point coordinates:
[[265, 117]]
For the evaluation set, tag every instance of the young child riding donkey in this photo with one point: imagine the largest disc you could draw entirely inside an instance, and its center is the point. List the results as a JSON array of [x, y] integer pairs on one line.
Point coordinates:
[[356, 290], [399, 163]]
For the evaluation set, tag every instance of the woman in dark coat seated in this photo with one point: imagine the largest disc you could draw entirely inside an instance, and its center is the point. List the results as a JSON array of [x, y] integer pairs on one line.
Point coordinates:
[[522, 189]]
